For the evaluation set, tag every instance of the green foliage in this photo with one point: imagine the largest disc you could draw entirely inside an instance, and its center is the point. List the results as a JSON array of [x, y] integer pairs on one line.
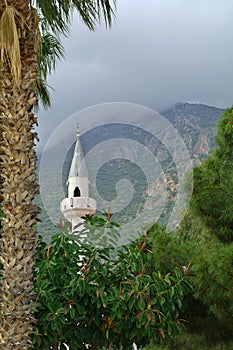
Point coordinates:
[[213, 184], [104, 297], [169, 251], [102, 232], [225, 133], [58, 14], [213, 271], [208, 307], [205, 239], [50, 53], [187, 341]]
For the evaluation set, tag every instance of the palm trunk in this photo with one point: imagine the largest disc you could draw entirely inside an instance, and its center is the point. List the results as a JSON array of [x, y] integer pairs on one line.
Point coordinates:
[[18, 189]]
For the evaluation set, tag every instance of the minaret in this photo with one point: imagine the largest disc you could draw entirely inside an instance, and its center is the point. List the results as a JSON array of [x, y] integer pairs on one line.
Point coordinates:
[[78, 203]]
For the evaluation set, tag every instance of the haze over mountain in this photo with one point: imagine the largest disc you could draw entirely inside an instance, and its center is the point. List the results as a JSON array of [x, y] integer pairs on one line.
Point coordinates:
[[196, 124]]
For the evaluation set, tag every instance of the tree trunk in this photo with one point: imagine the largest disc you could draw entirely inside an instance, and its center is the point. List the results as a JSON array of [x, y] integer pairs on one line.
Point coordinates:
[[18, 188]]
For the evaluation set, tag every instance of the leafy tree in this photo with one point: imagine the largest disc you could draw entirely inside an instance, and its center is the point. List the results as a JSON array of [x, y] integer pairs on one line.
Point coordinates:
[[212, 206], [205, 239], [99, 297], [213, 184], [208, 307], [20, 47]]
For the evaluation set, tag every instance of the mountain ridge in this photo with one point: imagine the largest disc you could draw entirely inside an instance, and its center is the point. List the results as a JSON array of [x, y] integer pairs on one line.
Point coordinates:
[[196, 124]]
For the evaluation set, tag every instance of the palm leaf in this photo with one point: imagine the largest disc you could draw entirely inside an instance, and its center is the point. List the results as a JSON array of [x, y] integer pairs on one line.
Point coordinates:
[[9, 40], [55, 19], [50, 53], [42, 93], [58, 13]]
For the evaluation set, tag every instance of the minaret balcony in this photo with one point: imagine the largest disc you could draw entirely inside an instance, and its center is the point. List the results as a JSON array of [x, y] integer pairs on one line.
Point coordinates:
[[77, 206]]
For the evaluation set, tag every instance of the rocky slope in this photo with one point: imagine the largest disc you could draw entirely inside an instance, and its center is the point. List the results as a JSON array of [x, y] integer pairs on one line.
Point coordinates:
[[196, 124]]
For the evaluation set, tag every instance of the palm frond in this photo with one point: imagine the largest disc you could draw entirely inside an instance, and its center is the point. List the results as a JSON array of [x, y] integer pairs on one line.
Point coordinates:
[[55, 19], [51, 52], [93, 11], [42, 92], [9, 40], [106, 10], [58, 13]]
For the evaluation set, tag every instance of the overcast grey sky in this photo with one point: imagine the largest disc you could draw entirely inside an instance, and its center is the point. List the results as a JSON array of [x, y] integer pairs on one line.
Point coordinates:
[[157, 53]]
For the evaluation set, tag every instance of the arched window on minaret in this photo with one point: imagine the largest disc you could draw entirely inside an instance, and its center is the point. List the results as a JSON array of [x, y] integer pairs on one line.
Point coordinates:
[[77, 192]]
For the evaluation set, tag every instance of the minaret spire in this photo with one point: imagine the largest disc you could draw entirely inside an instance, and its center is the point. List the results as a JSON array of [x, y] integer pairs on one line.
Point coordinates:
[[78, 164], [78, 203]]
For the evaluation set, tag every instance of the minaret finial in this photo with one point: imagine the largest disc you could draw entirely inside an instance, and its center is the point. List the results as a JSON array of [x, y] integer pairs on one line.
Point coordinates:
[[78, 131]]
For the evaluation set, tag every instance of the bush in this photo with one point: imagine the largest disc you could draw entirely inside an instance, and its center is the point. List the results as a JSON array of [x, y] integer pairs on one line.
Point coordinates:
[[102, 296]]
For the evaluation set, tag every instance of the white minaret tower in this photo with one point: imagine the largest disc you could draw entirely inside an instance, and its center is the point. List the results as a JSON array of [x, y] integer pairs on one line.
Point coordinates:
[[78, 203]]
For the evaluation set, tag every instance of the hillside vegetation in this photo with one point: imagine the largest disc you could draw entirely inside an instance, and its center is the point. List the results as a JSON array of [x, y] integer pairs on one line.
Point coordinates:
[[196, 124], [205, 238]]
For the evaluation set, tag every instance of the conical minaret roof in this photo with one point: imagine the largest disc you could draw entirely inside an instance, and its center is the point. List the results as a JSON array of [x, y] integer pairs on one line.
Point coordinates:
[[78, 164]]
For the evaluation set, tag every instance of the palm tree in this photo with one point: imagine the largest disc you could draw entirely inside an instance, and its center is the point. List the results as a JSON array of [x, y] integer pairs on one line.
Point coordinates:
[[20, 44]]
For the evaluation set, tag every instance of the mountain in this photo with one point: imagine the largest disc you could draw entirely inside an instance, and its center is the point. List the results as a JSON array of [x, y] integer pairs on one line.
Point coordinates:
[[196, 125]]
